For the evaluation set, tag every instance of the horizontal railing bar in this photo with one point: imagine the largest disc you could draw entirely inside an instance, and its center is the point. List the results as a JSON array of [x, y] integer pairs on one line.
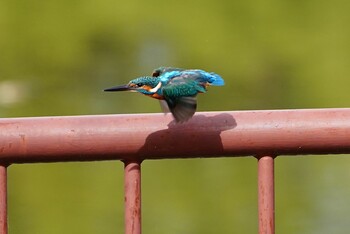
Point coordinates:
[[155, 136]]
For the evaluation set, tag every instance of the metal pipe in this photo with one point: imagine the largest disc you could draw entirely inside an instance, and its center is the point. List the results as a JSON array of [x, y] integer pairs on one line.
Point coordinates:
[[132, 193], [152, 136], [3, 199], [266, 195]]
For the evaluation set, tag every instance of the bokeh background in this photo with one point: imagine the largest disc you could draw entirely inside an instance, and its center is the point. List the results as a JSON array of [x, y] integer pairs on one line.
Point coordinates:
[[56, 57]]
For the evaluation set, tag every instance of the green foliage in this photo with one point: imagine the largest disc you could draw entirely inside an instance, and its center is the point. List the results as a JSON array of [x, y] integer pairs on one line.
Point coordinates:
[[57, 57]]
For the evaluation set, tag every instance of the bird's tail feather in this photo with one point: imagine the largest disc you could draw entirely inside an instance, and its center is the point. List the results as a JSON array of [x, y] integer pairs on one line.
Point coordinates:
[[216, 79]]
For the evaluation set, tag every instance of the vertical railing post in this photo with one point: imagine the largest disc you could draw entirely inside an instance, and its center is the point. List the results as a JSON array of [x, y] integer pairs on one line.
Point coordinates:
[[3, 199], [266, 194], [132, 197]]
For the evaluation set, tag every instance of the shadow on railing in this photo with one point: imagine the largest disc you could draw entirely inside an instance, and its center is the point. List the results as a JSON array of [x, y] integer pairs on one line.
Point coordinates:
[[134, 138]]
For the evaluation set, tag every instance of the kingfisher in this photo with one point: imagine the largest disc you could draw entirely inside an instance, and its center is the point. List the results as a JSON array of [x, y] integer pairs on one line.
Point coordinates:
[[176, 88]]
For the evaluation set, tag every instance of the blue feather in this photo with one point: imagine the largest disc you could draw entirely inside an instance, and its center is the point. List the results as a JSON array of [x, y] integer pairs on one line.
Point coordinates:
[[203, 76], [165, 77], [216, 79]]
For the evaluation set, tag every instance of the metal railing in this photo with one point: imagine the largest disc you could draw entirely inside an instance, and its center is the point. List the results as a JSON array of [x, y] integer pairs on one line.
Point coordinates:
[[134, 138]]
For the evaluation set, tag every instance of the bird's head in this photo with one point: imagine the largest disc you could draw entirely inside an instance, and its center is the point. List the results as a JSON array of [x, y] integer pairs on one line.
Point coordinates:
[[146, 85]]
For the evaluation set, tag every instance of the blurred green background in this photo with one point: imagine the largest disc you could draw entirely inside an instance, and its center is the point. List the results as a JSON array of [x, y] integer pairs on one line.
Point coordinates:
[[56, 57]]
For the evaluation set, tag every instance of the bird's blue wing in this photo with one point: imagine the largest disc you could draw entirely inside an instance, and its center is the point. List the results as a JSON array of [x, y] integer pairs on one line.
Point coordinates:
[[181, 87], [203, 77], [180, 95], [167, 75], [182, 108]]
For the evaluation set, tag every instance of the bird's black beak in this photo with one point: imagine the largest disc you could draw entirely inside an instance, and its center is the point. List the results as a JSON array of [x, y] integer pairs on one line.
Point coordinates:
[[118, 88]]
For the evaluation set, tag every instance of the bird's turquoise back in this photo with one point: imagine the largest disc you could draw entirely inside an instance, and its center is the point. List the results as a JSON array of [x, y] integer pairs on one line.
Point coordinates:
[[199, 76]]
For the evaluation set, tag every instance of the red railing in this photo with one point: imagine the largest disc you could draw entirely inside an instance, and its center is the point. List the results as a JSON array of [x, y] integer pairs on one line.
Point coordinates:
[[134, 138]]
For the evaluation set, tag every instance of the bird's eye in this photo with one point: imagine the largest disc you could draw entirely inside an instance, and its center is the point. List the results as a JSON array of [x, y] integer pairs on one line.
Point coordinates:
[[139, 84]]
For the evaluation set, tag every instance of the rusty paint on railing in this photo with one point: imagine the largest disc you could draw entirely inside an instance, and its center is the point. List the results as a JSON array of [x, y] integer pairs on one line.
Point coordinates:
[[155, 136]]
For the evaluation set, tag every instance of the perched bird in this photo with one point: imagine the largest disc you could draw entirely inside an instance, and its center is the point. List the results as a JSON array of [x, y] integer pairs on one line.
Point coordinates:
[[176, 88]]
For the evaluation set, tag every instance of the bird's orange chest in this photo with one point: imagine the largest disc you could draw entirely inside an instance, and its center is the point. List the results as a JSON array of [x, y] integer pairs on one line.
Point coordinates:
[[156, 96]]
